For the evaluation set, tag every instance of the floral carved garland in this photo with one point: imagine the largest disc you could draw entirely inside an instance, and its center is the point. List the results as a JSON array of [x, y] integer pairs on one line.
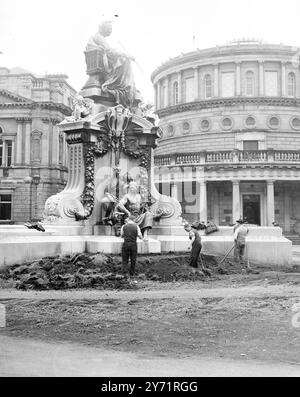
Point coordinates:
[[97, 150]]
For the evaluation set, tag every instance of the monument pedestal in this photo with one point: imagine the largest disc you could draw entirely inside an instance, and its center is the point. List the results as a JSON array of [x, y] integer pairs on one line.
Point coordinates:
[[264, 245]]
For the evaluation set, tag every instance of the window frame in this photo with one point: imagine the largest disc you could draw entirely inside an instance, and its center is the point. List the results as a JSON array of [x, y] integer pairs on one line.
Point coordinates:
[[7, 193], [250, 142], [206, 86], [249, 73], [291, 74], [175, 93]]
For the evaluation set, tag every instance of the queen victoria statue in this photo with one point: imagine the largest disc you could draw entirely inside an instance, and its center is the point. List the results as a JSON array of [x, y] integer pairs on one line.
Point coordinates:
[[110, 140], [110, 69]]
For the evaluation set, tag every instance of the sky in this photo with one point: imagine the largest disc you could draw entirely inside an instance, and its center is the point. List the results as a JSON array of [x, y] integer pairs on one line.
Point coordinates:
[[50, 36]]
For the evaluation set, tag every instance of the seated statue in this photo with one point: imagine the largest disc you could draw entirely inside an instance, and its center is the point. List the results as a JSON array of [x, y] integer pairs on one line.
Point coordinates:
[[118, 79], [130, 204]]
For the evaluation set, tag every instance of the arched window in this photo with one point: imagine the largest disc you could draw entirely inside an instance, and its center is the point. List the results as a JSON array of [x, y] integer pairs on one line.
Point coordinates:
[[175, 93], [207, 86], [291, 84], [250, 83]]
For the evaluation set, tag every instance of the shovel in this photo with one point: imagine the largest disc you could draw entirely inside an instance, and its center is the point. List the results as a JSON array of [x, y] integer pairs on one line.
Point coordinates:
[[225, 256]]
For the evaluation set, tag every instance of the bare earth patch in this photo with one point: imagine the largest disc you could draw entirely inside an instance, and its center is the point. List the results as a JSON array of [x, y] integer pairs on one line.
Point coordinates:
[[236, 316]]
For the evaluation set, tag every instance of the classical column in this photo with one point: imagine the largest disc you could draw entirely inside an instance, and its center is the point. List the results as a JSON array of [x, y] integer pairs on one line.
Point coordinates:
[[270, 203], [45, 142], [283, 79], [50, 142], [158, 95], [27, 143], [166, 93], [261, 78], [203, 202], [287, 208], [155, 96], [235, 200], [216, 80], [238, 78], [174, 190], [55, 145], [196, 77], [179, 86], [216, 205], [19, 142]]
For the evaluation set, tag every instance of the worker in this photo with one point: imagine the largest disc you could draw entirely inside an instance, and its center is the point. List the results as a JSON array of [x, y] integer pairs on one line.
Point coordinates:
[[240, 233], [130, 232]]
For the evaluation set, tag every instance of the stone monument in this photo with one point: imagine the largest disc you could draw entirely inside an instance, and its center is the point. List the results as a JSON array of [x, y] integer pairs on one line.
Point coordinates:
[[111, 136], [110, 140]]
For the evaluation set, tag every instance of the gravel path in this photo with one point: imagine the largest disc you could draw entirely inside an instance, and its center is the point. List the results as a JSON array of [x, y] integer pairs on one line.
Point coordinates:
[[195, 290], [26, 357]]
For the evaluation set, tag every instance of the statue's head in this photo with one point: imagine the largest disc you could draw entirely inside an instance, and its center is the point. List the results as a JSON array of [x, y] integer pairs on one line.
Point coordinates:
[[105, 28], [132, 187]]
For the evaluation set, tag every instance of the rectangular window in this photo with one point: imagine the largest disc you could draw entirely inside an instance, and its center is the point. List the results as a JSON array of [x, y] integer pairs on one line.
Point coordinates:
[[159, 188], [5, 207], [189, 90], [8, 151], [271, 83], [227, 84], [250, 145]]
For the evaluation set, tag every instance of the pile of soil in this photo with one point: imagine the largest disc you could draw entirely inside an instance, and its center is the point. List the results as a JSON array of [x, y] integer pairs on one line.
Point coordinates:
[[102, 271]]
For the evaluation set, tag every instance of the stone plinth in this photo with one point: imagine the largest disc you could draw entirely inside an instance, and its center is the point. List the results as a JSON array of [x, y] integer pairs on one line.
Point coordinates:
[[113, 245], [264, 246]]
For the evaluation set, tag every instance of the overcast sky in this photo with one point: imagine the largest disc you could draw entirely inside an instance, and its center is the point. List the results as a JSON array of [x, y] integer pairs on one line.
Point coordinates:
[[50, 36]]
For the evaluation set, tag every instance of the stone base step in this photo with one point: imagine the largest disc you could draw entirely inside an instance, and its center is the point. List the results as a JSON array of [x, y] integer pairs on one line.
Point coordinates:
[[294, 238]]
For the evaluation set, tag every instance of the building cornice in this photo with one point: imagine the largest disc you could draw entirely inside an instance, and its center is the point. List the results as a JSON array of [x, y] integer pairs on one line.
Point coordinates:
[[223, 51], [33, 105], [15, 97], [219, 102]]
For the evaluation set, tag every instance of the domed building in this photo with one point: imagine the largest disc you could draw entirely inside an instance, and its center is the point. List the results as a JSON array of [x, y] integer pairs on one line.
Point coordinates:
[[230, 148]]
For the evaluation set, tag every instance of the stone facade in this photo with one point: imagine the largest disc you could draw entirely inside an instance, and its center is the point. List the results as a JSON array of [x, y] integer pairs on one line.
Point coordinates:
[[32, 150], [230, 148]]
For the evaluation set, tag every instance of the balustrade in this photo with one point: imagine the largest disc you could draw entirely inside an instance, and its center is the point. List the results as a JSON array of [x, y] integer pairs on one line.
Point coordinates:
[[162, 160], [284, 155], [237, 156], [255, 155]]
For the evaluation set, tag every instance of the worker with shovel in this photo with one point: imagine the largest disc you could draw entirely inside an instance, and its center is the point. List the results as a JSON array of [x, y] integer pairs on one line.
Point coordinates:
[[196, 245], [240, 233]]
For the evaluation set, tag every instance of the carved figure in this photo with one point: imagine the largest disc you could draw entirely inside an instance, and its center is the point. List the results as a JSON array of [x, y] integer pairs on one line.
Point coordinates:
[[130, 204], [82, 107], [118, 76]]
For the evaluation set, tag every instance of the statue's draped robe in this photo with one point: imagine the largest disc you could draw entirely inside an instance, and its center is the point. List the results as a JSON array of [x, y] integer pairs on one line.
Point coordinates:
[[119, 79]]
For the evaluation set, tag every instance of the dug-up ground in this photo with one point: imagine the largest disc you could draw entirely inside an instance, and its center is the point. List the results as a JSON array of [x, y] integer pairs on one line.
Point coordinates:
[[168, 312]]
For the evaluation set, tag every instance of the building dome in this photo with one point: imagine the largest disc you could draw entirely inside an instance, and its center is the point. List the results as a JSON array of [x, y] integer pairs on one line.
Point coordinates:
[[230, 117]]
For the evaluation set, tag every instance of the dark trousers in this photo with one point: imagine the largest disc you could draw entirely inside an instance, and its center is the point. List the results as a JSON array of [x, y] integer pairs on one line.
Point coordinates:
[[239, 252], [196, 249], [129, 251]]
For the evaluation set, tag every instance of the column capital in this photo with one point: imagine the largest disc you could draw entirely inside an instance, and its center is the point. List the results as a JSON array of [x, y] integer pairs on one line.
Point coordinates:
[[271, 181], [261, 62], [235, 181], [23, 119], [238, 63]]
